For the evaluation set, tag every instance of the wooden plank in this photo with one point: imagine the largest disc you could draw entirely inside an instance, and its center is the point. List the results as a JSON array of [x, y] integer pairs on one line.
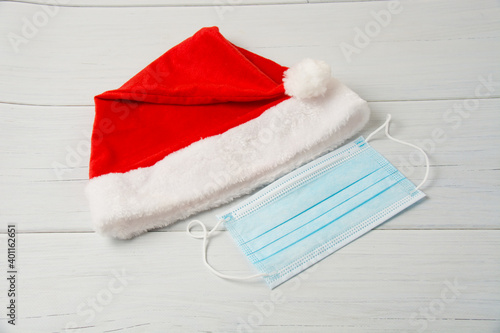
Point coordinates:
[[170, 3], [158, 3], [425, 67], [415, 57], [43, 175], [387, 281]]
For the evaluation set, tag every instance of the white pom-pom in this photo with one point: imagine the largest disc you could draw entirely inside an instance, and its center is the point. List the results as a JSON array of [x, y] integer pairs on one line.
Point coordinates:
[[309, 78]]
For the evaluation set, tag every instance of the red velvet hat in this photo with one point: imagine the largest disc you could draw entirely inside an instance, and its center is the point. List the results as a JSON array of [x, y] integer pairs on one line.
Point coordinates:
[[204, 123]]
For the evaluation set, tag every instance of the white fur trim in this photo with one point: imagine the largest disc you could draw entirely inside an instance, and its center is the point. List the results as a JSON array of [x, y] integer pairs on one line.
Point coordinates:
[[309, 78], [213, 171]]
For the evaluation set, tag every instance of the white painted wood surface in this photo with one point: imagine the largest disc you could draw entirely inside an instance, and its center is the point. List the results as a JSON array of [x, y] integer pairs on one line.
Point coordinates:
[[430, 58]]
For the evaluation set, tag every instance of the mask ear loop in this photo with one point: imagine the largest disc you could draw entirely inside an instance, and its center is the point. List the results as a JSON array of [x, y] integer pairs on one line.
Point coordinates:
[[386, 125], [205, 236]]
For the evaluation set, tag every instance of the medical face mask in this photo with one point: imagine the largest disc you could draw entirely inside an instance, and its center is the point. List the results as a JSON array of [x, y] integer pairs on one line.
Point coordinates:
[[312, 212]]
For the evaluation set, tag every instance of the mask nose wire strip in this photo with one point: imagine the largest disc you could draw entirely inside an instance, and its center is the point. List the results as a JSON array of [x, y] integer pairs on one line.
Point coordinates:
[[205, 236], [386, 125]]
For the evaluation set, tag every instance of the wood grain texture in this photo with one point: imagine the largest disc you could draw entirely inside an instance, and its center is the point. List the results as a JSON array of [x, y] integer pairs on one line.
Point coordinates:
[[375, 284], [171, 3], [434, 268], [99, 49], [158, 3], [44, 168]]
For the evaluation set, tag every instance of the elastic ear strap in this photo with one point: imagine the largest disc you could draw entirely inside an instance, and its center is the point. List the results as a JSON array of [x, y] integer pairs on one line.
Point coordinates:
[[206, 234], [389, 136]]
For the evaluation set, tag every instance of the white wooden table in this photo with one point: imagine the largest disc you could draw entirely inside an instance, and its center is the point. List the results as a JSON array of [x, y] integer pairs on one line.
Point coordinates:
[[434, 268]]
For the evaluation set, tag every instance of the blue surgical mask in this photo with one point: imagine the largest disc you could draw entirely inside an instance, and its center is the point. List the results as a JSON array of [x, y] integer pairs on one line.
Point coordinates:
[[320, 207]]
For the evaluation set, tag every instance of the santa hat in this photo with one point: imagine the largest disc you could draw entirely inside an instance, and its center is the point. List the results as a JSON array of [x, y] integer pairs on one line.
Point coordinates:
[[204, 123]]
